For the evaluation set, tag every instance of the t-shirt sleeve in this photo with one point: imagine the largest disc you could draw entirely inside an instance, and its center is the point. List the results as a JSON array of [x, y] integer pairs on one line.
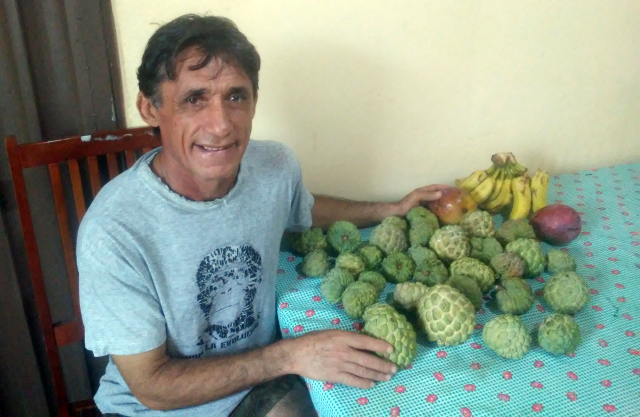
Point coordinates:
[[120, 308], [301, 201]]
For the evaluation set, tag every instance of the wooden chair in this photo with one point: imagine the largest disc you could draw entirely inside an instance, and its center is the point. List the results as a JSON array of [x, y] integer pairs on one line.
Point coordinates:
[[116, 151]]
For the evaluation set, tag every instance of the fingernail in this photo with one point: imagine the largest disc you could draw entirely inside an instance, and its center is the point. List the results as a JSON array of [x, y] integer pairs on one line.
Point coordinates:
[[389, 349], [394, 369], [372, 384], [388, 377]]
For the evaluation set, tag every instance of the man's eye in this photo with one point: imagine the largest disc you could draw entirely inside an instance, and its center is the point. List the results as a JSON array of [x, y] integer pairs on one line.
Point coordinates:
[[236, 98], [193, 100]]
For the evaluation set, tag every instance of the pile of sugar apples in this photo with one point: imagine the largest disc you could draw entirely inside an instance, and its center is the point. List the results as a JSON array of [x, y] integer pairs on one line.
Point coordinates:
[[441, 274]]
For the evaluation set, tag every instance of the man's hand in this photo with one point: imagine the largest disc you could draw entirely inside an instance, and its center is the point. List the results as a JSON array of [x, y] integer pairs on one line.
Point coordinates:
[[342, 357], [419, 196]]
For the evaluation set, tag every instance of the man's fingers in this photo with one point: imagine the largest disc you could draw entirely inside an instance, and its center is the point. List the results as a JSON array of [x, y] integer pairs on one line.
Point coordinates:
[[433, 188], [430, 192], [431, 196], [372, 362], [364, 342], [438, 187], [354, 381], [365, 372]]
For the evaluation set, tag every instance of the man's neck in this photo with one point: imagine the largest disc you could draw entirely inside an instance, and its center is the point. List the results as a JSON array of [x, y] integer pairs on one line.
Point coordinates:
[[183, 183]]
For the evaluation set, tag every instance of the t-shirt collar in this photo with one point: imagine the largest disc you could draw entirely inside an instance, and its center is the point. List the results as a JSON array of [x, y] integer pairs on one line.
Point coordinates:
[[143, 165]]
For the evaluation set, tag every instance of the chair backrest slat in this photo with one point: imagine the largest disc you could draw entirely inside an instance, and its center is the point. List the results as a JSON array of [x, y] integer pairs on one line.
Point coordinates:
[[130, 156], [65, 235], [76, 186], [112, 163], [69, 332], [94, 174]]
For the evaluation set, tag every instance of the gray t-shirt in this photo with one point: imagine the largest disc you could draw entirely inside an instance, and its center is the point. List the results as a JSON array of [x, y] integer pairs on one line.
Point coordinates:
[[155, 267]]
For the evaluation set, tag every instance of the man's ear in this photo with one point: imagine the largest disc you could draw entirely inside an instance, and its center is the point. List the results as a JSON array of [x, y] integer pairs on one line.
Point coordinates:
[[255, 103], [147, 110]]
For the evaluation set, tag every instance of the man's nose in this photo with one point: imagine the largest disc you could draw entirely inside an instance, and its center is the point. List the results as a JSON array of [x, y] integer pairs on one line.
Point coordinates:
[[218, 122]]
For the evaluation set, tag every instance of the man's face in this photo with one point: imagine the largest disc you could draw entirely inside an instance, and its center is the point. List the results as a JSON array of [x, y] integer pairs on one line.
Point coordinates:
[[205, 120]]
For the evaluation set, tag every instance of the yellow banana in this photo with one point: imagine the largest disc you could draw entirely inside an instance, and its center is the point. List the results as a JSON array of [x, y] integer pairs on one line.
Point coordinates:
[[521, 189], [539, 187], [472, 181], [505, 204], [504, 198], [483, 191], [496, 189]]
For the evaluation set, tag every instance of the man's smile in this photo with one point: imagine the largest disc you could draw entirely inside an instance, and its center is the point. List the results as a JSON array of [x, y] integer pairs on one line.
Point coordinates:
[[217, 154], [216, 148]]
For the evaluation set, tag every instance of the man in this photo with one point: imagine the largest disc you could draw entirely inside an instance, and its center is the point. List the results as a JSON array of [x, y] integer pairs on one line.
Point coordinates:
[[178, 255]]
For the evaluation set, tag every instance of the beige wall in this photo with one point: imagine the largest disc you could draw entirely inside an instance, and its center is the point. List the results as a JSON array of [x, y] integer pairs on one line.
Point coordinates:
[[379, 97]]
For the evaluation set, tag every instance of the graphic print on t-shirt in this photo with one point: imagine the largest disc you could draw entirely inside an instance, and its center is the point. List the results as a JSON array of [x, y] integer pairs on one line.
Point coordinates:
[[227, 282]]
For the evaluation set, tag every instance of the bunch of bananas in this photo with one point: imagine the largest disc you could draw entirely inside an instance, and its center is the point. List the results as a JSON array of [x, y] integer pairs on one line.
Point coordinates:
[[506, 184]]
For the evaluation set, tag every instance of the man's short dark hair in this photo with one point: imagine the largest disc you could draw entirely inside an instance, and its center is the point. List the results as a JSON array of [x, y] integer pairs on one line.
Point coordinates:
[[212, 36]]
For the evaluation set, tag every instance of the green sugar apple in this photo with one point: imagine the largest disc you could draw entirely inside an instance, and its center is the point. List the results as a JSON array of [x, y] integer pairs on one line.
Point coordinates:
[[315, 264], [392, 327], [483, 249], [469, 287], [344, 236], [514, 229], [398, 267], [531, 253], [420, 233], [396, 221], [507, 336], [373, 278], [420, 254], [566, 292], [450, 243], [357, 297], [416, 212], [407, 294], [559, 261], [388, 238], [508, 264], [351, 262], [334, 283], [559, 334], [478, 223], [474, 268], [446, 315], [309, 240], [514, 296], [372, 256], [421, 213], [378, 308], [431, 272]]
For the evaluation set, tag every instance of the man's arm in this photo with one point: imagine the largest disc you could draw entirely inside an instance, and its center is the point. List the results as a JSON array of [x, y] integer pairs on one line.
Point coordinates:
[[162, 383], [327, 210]]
